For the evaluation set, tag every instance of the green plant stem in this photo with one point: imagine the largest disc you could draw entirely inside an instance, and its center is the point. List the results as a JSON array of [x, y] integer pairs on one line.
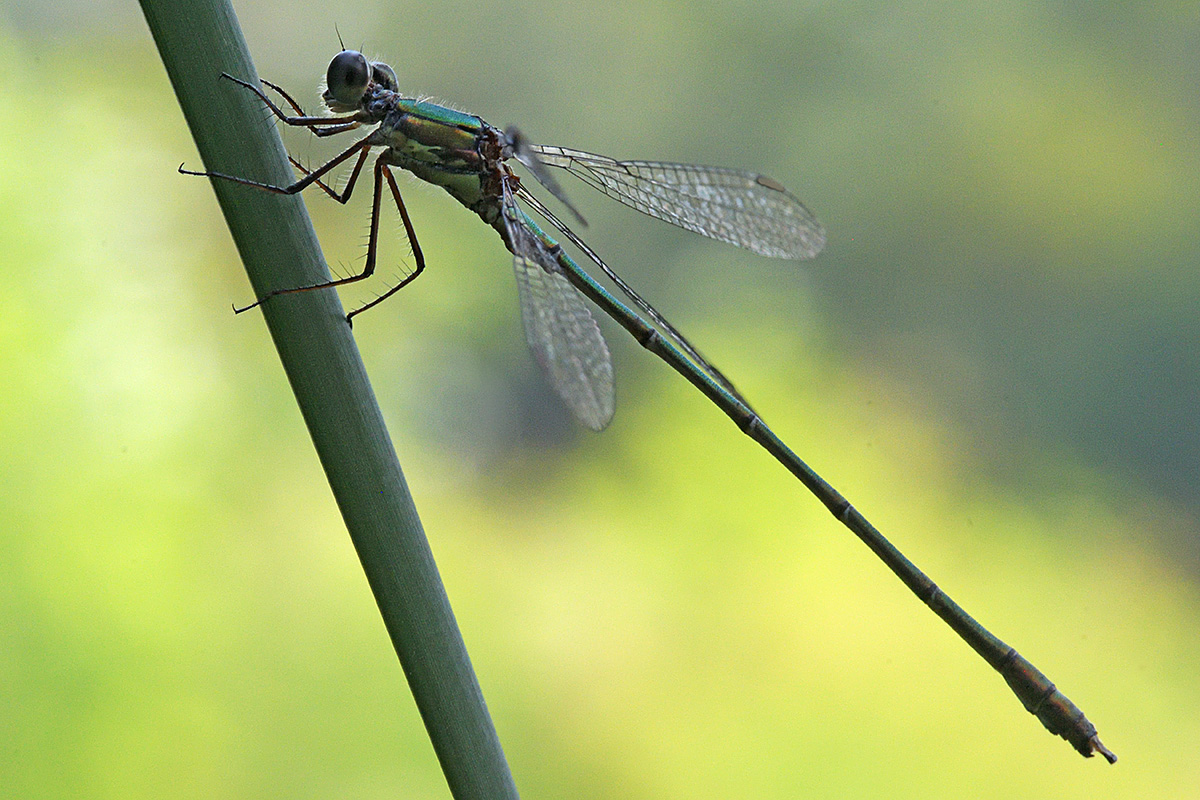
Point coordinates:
[[198, 40]]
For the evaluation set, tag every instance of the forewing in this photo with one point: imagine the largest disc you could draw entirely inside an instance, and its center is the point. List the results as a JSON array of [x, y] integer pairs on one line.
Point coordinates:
[[741, 208], [523, 151], [559, 328]]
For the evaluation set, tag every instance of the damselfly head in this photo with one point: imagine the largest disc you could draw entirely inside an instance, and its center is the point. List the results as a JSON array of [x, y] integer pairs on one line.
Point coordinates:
[[346, 80]]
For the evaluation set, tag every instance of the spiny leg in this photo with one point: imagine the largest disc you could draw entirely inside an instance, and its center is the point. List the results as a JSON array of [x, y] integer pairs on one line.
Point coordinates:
[[329, 131], [363, 148], [320, 184], [408, 229], [309, 179], [345, 194], [300, 112], [312, 123], [372, 242]]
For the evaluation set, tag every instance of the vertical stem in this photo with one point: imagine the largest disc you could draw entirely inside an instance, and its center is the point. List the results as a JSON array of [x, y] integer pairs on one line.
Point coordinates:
[[198, 40]]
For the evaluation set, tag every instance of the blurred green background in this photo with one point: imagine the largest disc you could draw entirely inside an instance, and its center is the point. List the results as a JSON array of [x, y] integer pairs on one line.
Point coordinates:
[[996, 359]]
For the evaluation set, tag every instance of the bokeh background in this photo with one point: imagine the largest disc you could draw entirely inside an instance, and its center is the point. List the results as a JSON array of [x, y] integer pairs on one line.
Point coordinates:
[[996, 359]]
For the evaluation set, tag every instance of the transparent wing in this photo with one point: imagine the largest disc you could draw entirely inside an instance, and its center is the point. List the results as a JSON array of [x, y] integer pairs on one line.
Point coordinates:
[[648, 310], [559, 328], [730, 205], [522, 150]]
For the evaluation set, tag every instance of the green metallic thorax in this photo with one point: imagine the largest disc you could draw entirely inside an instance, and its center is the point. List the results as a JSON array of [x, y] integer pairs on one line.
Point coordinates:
[[444, 147]]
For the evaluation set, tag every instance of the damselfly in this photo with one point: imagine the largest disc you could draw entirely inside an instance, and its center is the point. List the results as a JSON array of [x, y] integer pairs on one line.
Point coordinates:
[[469, 159]]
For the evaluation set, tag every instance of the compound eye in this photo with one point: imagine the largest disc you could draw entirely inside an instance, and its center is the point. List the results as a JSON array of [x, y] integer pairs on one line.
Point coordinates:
[[347, 78], [383, 75]]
